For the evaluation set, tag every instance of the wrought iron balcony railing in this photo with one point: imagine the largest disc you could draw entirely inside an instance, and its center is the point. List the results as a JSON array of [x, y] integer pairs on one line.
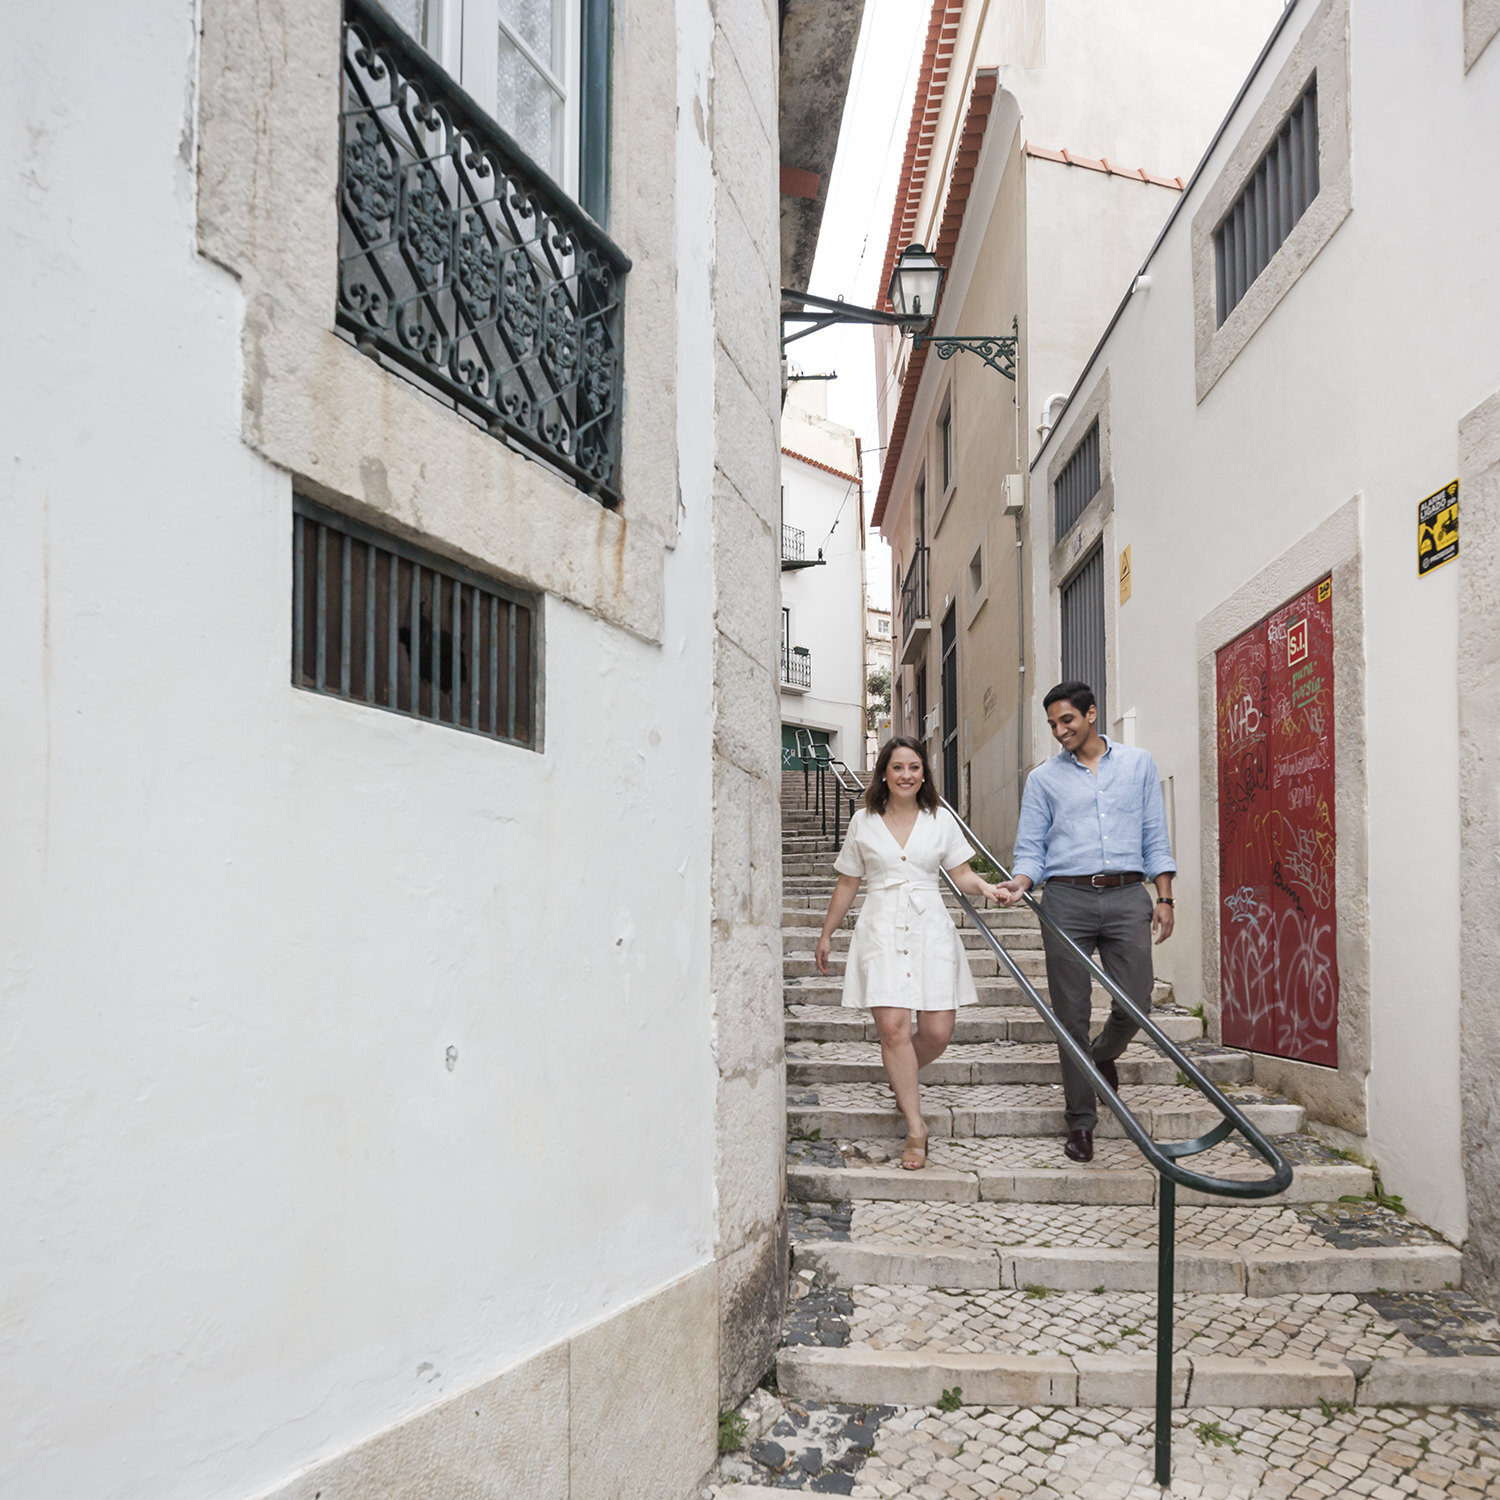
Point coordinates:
[[796, 666], [914, 592], [462, 264], [793, 543]]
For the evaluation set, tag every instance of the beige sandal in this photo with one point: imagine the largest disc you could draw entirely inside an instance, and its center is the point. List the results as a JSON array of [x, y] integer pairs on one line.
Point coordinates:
[[914, 1157]]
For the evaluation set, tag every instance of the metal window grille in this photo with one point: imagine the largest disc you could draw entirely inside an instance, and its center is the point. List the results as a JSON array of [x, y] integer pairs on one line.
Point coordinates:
[[793, 543], [379, 622], [1077, 483], [949, 686], [796, 666], [466, 268], [1283, 183], [914, 592], [1083, 628]]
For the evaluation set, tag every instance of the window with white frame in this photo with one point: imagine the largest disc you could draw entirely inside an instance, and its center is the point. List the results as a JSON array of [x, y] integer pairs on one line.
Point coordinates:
[[945, 446], [540, 67]]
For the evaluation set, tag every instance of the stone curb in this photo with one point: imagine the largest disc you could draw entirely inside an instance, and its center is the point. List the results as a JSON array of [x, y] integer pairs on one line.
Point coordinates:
[[913, 1378], [1068, 1185], [849, 1263], [1233, 1068], [836, 1123], [1014, 1023], [1448, 1380]]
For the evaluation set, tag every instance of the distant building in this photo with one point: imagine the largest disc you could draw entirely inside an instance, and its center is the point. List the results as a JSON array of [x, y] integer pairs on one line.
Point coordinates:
[[1046, 147], [877, 659], [822, 582]]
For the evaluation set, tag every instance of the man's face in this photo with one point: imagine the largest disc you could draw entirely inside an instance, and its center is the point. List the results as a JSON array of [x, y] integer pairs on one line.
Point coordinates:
[[1069, 727]]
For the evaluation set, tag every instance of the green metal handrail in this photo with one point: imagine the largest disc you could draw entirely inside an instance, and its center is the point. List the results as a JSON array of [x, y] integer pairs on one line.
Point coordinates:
[[1163, 1156]]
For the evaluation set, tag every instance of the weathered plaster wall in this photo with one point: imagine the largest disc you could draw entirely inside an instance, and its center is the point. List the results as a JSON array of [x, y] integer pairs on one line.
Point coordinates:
[[746, 902], [355, 1067], [1479, 836]]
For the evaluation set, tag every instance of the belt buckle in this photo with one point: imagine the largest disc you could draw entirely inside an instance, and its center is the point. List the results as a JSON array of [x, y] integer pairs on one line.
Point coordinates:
[[1098, 881]]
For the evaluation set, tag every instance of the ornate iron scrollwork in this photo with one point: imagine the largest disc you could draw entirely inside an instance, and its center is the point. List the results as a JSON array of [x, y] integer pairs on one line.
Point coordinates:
[[465, 270]]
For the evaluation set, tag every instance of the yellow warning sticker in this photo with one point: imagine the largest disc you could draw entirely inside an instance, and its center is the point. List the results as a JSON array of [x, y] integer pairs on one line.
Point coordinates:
[[1437, 529], [1125, 575], [1325, 591]]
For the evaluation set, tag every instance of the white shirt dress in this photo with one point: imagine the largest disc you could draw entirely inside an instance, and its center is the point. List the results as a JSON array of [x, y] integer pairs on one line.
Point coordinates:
[[906, 951]]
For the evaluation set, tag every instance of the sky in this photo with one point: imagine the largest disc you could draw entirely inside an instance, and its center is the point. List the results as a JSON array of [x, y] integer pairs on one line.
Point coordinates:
[[856, 223]]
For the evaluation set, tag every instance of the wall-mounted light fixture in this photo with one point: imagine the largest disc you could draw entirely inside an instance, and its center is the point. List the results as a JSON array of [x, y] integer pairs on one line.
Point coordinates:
[[916, 283]]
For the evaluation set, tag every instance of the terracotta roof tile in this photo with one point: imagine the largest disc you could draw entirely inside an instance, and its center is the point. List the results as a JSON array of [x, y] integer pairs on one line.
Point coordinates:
[[971, 137], [1101, 164], [802, 458]]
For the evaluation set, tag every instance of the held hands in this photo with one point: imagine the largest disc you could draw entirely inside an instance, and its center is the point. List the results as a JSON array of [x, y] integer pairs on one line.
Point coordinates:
[[990, 892], [824, 944], [1011, 891]]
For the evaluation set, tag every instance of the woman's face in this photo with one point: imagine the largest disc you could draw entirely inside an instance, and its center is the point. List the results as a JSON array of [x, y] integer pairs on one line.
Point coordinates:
[[903, 772]]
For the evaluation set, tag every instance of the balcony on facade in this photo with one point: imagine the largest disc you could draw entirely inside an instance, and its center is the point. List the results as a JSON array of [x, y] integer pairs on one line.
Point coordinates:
[[916, 620], [466, 269], [796, 669]]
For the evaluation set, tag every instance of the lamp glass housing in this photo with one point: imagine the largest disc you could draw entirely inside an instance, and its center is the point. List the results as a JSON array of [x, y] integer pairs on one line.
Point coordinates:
[[915, 283]]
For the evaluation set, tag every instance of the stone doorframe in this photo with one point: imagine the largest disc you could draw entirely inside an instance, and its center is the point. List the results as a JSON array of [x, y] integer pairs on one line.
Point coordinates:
[[1479, 837], [1331, 1096]]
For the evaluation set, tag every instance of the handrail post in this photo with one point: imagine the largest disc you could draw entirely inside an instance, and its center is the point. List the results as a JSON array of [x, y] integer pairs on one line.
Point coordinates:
[[1166, 1258]]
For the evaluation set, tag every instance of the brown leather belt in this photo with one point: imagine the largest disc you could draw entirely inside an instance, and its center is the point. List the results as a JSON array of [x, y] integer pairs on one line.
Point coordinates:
[[1106, 882]]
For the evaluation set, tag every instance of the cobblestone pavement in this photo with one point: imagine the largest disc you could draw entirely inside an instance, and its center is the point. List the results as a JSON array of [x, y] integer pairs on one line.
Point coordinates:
[[1001, 1153], [985, 1322], [869, 1052], [935, 1226], [1434, 1453]]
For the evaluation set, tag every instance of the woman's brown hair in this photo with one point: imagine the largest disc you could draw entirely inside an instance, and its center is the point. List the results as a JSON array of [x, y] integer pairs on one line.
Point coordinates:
[[877, 794]]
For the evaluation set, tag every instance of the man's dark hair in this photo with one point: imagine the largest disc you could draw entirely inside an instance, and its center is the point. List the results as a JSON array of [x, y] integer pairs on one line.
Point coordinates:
[[1079, 694]]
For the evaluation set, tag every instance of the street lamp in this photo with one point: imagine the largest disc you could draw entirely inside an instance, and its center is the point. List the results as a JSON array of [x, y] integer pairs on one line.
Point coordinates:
[[916, 282]]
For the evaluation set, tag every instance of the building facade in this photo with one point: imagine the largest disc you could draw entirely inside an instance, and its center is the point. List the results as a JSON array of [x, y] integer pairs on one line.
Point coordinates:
[[1045, 149], [822, 582], [877, 664], [1294, 530], [390, 898]]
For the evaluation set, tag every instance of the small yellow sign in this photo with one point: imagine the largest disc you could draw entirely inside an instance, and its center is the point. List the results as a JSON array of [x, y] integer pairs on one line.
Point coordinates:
[[1125, 575], [1325, 591], [1437, 529]]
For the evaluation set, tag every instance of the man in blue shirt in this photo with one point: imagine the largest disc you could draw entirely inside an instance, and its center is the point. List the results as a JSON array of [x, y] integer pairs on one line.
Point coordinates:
[[1094, 831]]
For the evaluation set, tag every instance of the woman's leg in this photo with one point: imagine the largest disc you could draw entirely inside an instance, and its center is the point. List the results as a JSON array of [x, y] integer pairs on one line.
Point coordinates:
[[934, 1032], [900, 1058]]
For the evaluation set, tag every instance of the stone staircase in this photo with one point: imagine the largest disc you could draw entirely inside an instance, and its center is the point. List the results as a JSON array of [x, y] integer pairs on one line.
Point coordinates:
[[1005, 1276]]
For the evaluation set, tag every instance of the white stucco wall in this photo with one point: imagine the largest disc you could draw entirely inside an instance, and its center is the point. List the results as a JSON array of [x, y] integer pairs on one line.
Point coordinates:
[[253, 1213], [827, 605], [1354, 386]]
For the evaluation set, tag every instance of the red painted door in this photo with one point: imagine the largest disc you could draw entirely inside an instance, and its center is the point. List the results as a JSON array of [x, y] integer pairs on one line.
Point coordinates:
[[1277, 920]]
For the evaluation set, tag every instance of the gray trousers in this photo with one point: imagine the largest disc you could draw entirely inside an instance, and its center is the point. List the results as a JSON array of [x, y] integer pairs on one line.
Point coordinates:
[[1116, 924]]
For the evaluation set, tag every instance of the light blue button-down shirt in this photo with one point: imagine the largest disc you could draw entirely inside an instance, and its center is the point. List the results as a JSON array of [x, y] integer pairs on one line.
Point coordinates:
[[1080, 822]]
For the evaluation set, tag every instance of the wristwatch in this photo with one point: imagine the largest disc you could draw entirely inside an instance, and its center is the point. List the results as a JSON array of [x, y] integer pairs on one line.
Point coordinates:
[[1165, 901]]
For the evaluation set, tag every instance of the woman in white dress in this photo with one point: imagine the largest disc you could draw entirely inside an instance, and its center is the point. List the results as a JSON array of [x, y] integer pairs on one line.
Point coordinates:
[[905, 954]]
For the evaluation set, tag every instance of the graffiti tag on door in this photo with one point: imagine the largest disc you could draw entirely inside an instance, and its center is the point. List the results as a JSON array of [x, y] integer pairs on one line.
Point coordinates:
[[1277, 916]]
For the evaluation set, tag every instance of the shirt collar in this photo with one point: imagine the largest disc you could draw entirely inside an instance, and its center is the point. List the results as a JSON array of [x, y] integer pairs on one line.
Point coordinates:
[[1072, 756]]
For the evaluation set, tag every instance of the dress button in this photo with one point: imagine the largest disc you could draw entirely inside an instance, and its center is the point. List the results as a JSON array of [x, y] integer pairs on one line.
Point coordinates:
[[903, 859]]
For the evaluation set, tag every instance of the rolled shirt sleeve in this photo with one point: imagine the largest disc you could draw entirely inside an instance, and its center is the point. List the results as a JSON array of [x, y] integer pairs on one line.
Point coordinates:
[[1156, 844], [1030, 855]]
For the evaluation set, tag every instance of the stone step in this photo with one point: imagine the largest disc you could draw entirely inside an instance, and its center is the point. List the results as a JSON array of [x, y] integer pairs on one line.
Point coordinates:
[[1011, 1169], [815, 1063], [798, 937], [850, 1111], [1221, 1269], [898, 1377], [822, 1022], [992, 990], [1003, 923], [983, 964]]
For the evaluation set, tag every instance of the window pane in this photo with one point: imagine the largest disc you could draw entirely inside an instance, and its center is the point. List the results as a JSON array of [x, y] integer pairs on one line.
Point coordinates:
[[538, 23], [528, 107]]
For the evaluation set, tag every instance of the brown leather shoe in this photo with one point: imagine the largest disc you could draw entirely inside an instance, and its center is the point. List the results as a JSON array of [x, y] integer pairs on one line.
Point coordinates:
[[1110, 1072], [1080, 1146]]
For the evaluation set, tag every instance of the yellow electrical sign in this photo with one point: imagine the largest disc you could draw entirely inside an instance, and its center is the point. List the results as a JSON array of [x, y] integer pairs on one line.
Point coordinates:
[[1124, 575], [1437, 529]]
